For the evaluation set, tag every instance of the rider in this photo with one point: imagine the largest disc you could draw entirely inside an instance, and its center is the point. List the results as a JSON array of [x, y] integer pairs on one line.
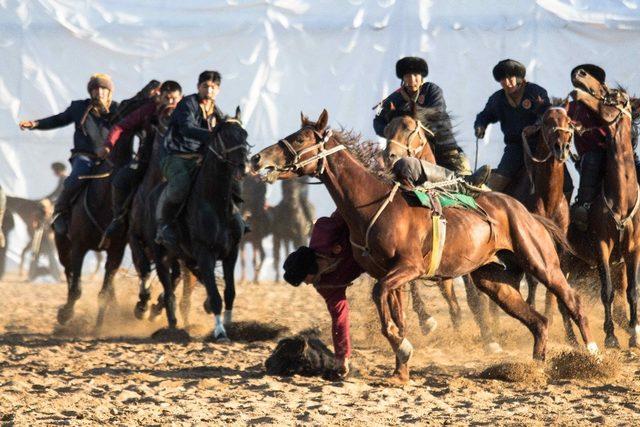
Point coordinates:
[[412, 71], [150, 118], [591, 146], [59, 171], [189, 130], [91, 118], [517, 105]]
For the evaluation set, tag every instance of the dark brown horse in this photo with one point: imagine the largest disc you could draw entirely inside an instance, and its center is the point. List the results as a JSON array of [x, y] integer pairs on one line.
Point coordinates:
[[399, 246], [209, 229], [614, 219], [91, 213], [408, 137], [255, 212]]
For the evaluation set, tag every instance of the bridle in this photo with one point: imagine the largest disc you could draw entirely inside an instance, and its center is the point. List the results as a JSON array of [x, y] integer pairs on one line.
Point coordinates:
[[414, 152], [222, 154], [297, 162], [527, 148]]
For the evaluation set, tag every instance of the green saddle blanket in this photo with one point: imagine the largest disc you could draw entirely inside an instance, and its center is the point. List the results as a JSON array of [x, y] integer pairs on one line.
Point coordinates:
[[447, 200]]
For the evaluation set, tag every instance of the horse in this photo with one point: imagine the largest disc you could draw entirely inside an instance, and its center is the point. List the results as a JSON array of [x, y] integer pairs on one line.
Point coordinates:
[[495, 248], [613, 229], [141, 236], [91, 213], [208, 228], [291, 226], [408, 137], [255, 212]]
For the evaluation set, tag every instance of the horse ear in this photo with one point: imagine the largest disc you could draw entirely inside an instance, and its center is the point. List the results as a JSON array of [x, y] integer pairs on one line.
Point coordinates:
[[238, 114], [322, 121], [303, 119], [565, 104]]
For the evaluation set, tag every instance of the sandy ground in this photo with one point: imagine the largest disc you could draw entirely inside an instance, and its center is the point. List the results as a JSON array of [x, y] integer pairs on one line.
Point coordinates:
[[53, 376]]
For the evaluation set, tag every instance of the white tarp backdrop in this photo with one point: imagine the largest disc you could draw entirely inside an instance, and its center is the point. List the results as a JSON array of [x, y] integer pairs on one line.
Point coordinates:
[[278, 57]]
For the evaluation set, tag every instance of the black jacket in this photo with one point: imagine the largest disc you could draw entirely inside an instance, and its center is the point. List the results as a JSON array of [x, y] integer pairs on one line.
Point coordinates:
[[82, 143], [188, 131], [514, 120], [430, 96]]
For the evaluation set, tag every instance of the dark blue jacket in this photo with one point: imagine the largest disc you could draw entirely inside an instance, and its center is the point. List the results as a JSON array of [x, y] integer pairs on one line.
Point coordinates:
[[82, 143], [430, 96], [188, 130], [514, 120]]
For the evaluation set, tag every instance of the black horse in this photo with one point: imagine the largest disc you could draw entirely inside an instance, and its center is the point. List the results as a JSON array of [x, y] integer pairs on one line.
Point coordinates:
[[209, 229], [91, 213]]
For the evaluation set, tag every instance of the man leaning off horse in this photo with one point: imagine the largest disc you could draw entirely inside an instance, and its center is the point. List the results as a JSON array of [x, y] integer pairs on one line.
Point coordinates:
[[188, 133], [150, 118], [517, 105], [91, 118], [412, 72]]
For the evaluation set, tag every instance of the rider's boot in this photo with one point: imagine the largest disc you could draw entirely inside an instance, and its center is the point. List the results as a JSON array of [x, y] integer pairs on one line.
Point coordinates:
[[166, 213]]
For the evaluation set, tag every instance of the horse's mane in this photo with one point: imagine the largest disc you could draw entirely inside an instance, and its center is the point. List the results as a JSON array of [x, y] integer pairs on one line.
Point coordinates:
[[367, 152], [230, 130]]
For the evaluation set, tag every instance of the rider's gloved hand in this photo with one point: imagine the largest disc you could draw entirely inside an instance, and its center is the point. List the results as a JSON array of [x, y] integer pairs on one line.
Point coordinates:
[[480, 132]]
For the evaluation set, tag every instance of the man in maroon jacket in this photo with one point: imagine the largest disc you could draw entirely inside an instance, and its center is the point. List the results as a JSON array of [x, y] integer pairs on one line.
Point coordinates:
[[329, 265], [149, 122]]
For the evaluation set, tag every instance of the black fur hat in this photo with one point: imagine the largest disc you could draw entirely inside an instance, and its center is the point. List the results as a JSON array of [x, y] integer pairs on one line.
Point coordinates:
[[595, 71], [299, 264], [410, 65], [509, 68]]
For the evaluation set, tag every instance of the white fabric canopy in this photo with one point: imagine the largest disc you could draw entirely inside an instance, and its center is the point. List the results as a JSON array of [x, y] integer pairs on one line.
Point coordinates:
[[278, 57]]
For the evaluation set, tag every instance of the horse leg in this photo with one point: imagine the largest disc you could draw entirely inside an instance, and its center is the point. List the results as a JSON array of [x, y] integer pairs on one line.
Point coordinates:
[[551, 302], [632, 261], [276, 256], [403, 349], [143, 267], [228, 267], [428, 323], [188, 284], [206, 265], [532, 286], [243, 262], [23, 256], [447, 291], [478, 305], [107, 295], [606, 294], [262, 256], [396, 304], [501, 287], [620, 289], [65, 313]]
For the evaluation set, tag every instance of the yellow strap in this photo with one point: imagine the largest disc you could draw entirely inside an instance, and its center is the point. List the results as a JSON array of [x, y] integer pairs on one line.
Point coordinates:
[[436, 248]]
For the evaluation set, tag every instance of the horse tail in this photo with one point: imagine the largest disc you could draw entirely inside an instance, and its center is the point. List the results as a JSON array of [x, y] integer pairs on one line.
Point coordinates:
[[556, 233]]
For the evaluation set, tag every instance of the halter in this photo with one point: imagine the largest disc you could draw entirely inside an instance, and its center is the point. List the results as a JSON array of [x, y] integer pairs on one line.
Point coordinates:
[[527, 149], [298, 163], [414, 152]]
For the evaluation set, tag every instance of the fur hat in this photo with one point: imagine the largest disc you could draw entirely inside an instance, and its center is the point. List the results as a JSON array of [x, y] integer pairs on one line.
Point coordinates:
[[509, 68], [411, 65], [58, 167], [299, 264], [593, 70], [100, 80]]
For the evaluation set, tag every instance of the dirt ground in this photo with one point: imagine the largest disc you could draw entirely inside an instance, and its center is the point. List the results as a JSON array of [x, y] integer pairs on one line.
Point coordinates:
[[50, 375]]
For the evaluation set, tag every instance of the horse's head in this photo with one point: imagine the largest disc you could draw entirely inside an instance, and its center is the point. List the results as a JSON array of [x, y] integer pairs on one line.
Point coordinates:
[[301, 153], [557, 132], [609, 104], [229, 145], [406, 137]]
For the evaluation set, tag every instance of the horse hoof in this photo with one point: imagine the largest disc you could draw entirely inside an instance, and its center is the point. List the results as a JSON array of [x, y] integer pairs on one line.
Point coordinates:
[[398, 379], [220, 338], [156, 310], [65, 314], [611, 342], [140, 310], [171, 335], [404, 352], [429, 325], [493, 348]]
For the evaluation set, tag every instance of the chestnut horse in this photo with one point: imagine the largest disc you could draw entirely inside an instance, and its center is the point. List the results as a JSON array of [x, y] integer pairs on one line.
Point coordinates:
[[495, 248], [614, 221]]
